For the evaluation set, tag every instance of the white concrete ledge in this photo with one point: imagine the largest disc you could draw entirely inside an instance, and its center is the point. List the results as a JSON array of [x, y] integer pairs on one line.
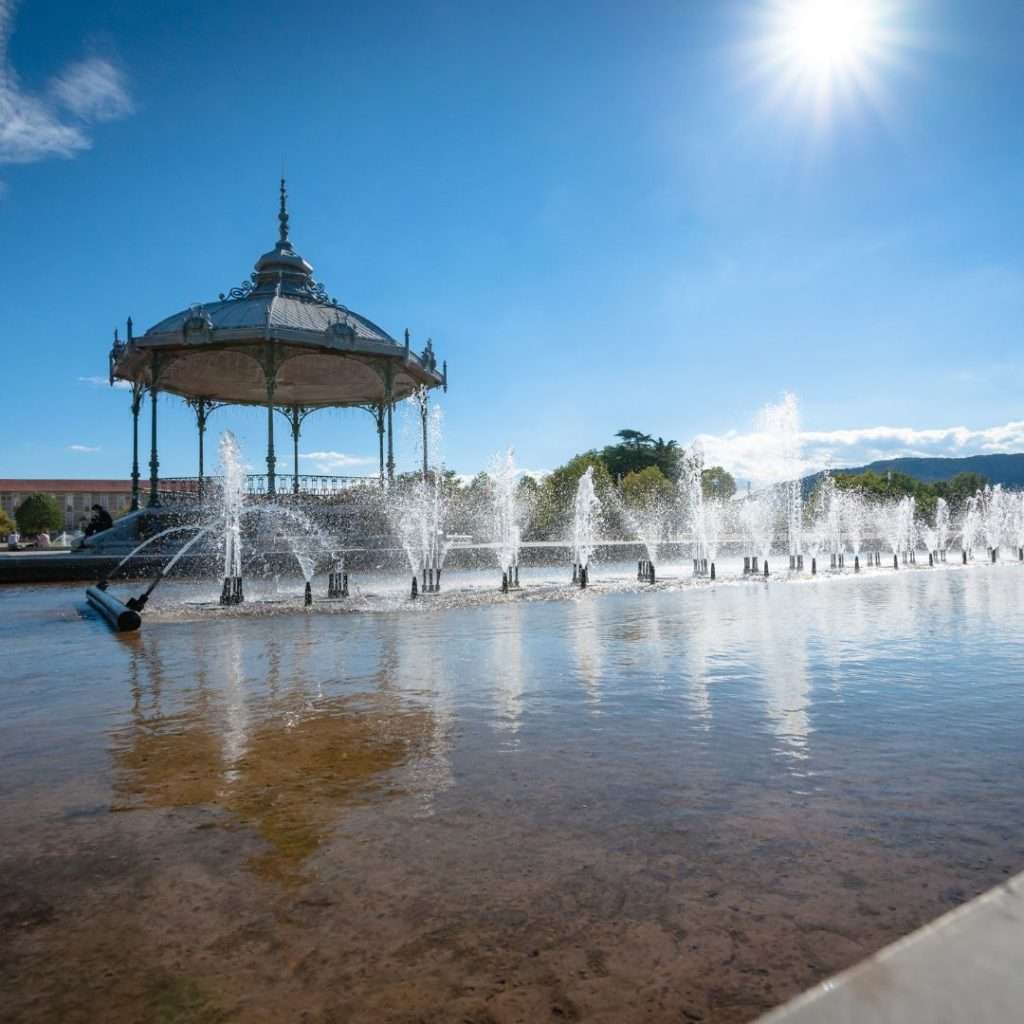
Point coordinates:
[[967, 966]]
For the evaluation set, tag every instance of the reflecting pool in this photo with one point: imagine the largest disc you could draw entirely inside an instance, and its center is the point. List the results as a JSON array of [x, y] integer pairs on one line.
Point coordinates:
[[660, 804]]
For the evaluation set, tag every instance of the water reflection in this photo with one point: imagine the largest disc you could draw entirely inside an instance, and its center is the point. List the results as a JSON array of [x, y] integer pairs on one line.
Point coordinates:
[[698, 659], [584, 621], [268, 748], [507, 672], [782, 653]]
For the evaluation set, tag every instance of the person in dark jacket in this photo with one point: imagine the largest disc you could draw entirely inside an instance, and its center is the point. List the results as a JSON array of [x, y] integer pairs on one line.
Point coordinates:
[[100, 521]]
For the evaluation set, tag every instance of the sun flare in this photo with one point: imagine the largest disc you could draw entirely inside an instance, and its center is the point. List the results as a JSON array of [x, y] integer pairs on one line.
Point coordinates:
[[823, 54], [829, 36]]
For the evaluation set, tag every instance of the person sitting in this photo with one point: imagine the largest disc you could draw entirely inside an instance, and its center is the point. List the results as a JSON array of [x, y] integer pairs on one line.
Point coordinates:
[[42, 540], [99, 522]]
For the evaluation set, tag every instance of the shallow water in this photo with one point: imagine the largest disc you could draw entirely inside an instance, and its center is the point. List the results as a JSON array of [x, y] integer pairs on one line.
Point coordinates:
[[685, 802]]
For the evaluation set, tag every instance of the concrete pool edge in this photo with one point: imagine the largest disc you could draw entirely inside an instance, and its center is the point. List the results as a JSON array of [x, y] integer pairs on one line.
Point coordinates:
[[966, 965]]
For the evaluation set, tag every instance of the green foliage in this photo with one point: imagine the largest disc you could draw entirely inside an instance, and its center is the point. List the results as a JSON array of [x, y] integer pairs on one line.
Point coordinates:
[[637, 451], [6, 524], [716, 482], [645, 487], [959, 488], [558, 491], [893, 485], [39, 513]]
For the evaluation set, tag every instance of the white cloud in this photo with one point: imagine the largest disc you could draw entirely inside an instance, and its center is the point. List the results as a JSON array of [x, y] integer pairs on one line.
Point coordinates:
[[83, 449], [763, 456], [103, 382], [34, 127], [334, 462], [93, 89]]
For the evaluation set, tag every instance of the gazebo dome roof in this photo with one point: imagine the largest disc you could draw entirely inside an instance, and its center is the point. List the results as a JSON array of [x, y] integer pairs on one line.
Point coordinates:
[[270, 309], [280, 325]]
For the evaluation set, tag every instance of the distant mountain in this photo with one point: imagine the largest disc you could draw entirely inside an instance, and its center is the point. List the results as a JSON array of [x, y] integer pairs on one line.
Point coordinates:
[[1007, 470]]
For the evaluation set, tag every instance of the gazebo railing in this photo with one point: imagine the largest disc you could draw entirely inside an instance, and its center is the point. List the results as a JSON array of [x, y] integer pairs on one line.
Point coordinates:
[[187, 488]]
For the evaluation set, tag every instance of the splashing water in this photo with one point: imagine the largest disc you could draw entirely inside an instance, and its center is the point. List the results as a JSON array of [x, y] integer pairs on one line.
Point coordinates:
[[232, 497], [757, 518], [782, 424], [941, 524], [505, 510], [586, 510]]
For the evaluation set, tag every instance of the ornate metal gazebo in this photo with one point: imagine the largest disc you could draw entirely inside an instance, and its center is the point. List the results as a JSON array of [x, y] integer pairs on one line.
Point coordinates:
[[279, 341]]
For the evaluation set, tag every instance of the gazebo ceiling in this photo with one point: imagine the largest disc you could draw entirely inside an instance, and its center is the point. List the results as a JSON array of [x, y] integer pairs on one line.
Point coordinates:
[[281, 327]]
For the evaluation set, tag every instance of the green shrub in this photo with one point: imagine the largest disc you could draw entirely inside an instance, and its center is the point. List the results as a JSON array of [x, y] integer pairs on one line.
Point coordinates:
[[39, 513], [6, 524]]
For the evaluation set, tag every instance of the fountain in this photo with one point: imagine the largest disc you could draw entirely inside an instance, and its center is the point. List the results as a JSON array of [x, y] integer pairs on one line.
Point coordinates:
[[250, 535], [941, 528], [782, 423], [586, 509], [418, 511], [305, 540], [701, 519], [506, 515], [757, 520], [231, 500]]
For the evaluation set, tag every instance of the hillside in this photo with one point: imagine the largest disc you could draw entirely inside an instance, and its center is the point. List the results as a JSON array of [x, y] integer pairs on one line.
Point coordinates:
[[1007, 470]]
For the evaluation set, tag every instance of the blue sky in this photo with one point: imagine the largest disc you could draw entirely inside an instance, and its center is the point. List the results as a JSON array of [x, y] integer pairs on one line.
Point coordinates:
[[605, 215]]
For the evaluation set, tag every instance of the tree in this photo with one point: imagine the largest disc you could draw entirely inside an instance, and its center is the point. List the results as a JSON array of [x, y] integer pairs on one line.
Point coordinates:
[[959, 488], [553, 509], [39, 513], [636, 451], [645, 487], [716, 482], [6, 524]]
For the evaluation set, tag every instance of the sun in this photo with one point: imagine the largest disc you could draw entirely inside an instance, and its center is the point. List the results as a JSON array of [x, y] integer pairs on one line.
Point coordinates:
[[829, 37], [823, 54]]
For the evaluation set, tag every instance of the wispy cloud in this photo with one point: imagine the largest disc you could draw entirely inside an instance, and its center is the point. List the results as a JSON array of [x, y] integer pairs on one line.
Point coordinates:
[[334, 462], [765, 457], [55, 123], [83, 449], [103, 382], [93, 89]]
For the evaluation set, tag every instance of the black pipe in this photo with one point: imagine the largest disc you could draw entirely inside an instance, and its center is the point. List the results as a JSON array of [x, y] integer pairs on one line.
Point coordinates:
[[504, 582], [766, 568], [121, 617], [308, 599], [856, 563], [344, 584], [414, 593], [814, 566], [712, 570], [516, 578]]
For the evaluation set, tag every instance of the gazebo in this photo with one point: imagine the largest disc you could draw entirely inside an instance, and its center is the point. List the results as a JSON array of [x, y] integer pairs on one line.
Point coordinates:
[[279, 341]]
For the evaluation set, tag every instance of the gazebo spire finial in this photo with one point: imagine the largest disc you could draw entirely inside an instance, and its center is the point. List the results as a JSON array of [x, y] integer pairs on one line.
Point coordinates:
[[282, 216]]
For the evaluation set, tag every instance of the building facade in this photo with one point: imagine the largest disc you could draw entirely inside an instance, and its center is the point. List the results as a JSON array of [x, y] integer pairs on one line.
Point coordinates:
[[75, 497]]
